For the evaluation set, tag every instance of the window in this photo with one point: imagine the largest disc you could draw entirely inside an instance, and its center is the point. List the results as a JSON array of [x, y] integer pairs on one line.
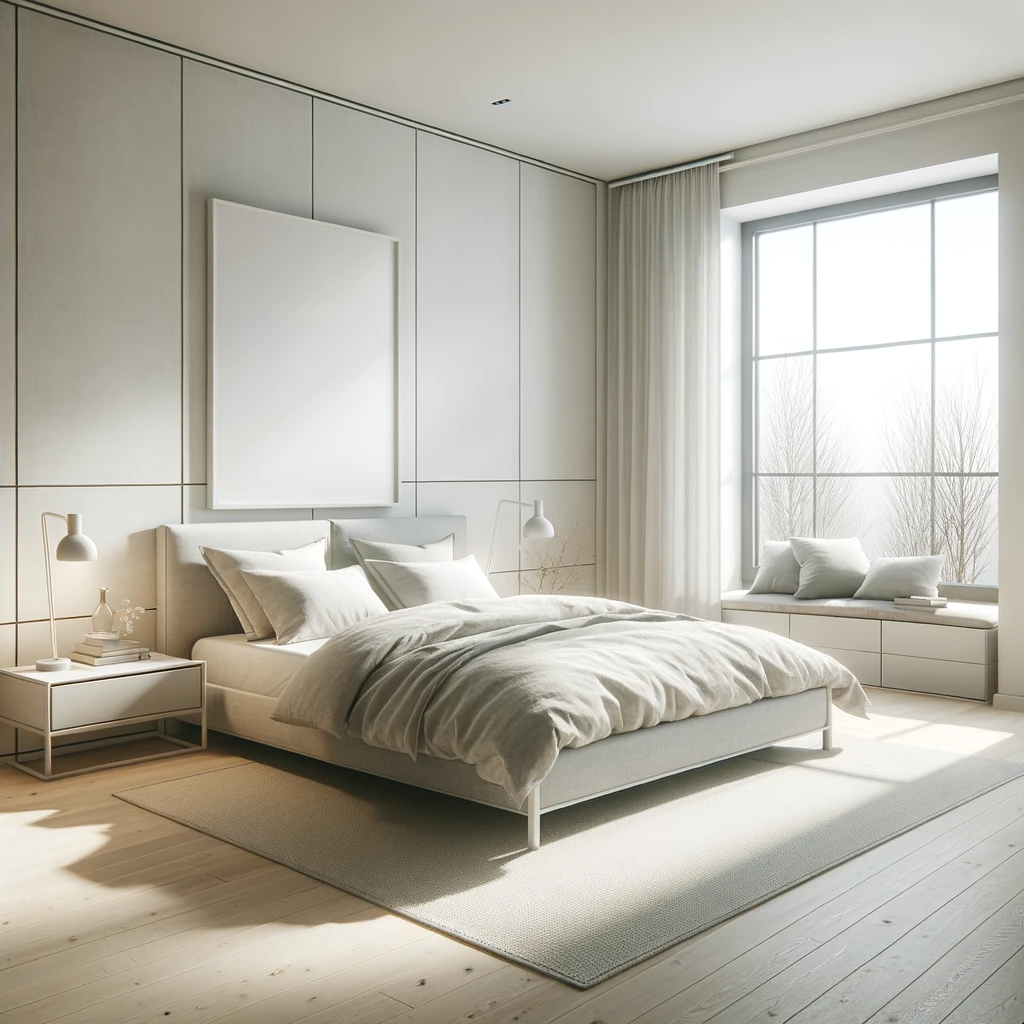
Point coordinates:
[[871, 377]]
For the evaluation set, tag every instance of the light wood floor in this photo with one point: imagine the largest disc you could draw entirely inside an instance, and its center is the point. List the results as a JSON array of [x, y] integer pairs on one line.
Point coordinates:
[[110, 914]]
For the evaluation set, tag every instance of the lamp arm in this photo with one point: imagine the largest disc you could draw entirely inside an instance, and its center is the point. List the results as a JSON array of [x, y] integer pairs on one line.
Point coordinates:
[[494, 532], [49, 578]]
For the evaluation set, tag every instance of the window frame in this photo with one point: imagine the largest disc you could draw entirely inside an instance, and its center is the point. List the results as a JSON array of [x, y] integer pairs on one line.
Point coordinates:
[[749, 232]]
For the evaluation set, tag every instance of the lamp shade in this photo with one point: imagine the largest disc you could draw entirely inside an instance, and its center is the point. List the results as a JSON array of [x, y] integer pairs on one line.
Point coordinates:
[[537, 527], [76, 546]]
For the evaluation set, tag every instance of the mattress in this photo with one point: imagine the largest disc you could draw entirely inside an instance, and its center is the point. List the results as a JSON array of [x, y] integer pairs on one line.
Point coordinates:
[[259, 666]]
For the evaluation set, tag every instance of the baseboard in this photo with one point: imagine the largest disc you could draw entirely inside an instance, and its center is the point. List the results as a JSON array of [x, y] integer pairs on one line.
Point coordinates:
[[1008, 702]]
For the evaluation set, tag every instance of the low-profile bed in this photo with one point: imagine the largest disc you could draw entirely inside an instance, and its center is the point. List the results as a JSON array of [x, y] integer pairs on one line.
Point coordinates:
[[246, 680]]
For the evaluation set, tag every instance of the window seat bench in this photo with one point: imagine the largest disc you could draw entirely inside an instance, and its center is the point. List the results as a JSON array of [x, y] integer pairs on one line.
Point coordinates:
[[951, 651]]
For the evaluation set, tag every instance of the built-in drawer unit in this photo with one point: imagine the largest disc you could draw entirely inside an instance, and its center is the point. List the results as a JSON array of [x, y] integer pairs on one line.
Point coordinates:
[[773, 622], [943, 643], [865, 665], [946, 678], [120, 697], [834, 631]]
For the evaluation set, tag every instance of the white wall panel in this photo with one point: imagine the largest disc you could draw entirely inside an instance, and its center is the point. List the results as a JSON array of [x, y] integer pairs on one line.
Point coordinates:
[[558, 368], [406, 507], [467, 312], [571, 507], [8, 535], [8, 656], [478, 502], [247, 142], [99, 282], [8, 242], [505, 583], [194, 510], [364, 176], [121, 520]]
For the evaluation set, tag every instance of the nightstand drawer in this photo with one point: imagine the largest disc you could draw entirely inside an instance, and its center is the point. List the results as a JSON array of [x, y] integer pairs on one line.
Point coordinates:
[[121, 697]]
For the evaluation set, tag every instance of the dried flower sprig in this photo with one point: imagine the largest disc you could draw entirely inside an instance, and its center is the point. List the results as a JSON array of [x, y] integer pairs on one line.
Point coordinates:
[[558, 567], [129, 615]]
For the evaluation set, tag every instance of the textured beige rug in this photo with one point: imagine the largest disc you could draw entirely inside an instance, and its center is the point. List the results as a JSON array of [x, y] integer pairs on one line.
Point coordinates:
[[617, 879]]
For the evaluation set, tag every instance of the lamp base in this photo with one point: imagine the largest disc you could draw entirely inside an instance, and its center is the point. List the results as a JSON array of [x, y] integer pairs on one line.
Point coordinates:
[[53, 665]]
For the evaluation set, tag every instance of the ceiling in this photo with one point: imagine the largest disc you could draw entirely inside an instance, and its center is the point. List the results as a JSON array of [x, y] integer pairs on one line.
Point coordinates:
[[605, 87]]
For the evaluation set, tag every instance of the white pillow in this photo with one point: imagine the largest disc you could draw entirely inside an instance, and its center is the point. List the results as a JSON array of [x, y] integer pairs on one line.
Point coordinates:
[[311, 605], [829, 568], [415, 583], [442, 550], [889, 578], [779, 571], [227, 567]]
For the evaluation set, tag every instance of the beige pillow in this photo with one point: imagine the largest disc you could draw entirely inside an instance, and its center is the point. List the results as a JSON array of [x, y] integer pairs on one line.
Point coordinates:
[[829, 567], [415, 583], [368, 551], [311, 605], [227, 567]]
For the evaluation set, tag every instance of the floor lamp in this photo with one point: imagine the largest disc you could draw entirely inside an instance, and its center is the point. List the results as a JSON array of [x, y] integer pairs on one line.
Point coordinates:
[[73, 547], [536, 527]]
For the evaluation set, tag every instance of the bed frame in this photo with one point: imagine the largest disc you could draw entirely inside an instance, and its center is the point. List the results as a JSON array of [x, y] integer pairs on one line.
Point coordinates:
[[191, 605]]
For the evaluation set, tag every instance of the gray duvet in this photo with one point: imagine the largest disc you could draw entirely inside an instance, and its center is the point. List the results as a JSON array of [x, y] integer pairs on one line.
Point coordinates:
[[506, 683]]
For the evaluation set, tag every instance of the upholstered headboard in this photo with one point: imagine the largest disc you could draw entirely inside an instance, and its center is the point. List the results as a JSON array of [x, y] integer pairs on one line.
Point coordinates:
[[190, 603]]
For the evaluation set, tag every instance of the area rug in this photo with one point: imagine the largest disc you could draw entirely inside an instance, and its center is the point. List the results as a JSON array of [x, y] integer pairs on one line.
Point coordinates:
[[617, 879]]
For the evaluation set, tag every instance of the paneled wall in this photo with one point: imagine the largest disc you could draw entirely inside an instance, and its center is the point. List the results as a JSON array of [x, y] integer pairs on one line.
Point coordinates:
[[109, 149]]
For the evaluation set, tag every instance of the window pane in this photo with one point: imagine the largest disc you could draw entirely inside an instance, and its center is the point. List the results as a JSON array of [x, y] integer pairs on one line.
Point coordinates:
[[965, 528], [845, 507], [785, 293], [874, 278], [905, 517], [785, 402], [874, 411], [967, 265], [967, 406], [784, 508]]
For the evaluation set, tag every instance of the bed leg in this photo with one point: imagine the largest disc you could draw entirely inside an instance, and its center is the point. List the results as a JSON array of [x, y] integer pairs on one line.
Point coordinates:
[[533, 818], [826, 733]]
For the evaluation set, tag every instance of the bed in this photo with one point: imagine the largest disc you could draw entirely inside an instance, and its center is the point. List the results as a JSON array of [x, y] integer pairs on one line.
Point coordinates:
[[245, 679]]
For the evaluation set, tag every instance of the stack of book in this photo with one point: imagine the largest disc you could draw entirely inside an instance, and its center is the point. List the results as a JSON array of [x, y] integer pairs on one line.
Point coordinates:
[[920, 602], [107, 649]]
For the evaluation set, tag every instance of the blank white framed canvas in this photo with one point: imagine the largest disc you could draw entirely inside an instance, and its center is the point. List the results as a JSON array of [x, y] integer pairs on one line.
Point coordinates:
[[301, 363]]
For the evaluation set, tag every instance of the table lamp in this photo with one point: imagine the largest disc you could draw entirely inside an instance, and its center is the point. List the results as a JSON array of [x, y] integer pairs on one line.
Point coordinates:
[[73, 547]]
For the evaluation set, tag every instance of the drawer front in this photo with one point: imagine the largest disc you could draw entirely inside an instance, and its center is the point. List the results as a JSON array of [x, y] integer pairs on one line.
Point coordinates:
[[947, 678], [111, 700], [773, 622], [834, 631], [943, 643], [865, 665]]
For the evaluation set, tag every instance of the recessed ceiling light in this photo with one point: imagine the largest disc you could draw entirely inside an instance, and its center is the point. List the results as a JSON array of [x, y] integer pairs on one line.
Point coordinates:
[[500, 103]]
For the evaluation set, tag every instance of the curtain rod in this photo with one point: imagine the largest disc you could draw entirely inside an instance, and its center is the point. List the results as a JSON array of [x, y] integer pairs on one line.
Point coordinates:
[[661, 171]]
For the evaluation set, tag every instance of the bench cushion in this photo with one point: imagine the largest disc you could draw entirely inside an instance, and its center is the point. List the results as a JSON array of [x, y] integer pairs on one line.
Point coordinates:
[[970, 614]]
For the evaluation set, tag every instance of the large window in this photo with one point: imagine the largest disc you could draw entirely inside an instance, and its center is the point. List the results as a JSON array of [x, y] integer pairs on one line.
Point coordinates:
[[872, 377]]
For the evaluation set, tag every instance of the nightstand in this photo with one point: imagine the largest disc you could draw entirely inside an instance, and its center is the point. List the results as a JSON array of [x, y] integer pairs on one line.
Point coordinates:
[[86, 699]]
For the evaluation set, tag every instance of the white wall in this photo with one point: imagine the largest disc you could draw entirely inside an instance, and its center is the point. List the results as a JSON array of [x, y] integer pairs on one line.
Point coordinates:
[[989, 121], [102, 380]]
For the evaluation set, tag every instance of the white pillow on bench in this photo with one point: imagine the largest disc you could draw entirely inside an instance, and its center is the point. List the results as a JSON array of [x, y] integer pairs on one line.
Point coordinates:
[[829, 568], [889, 578]]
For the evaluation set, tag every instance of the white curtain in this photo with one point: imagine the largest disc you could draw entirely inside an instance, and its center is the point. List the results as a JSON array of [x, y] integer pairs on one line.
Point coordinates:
[[660, 495]]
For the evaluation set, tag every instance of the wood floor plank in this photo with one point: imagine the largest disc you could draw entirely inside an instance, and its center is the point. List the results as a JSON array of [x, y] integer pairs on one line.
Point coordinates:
[[731, 997], [945, 985], [114, 993], [1000, 1000], [861, 994]]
